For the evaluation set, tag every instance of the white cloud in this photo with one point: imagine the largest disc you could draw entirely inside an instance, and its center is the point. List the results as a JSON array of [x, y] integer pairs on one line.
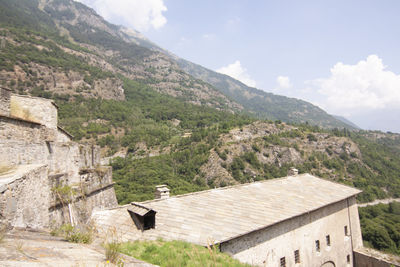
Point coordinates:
[[235, 70], [138, 14], [283, 82], [357, 88], [209, 36]]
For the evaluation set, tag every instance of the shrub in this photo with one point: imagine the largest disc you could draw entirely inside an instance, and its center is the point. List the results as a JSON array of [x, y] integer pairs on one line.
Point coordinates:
[[73, 234]]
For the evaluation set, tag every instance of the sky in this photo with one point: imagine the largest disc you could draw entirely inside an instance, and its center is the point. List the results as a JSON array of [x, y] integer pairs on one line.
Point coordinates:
[[341, 55]]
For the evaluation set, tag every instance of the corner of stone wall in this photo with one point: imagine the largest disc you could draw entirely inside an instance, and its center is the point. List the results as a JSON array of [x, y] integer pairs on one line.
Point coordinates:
[[367, 257]]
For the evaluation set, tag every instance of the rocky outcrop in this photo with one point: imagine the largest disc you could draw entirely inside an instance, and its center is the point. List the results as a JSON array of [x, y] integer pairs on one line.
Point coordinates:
[[263, 145]]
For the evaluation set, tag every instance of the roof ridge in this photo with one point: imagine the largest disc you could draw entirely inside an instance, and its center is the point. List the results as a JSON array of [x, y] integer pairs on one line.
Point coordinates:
[[226, 187]]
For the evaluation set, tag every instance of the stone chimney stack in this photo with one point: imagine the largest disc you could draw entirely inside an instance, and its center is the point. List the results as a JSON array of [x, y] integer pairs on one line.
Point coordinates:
[[5, 96], [162, 192], [293, 172]]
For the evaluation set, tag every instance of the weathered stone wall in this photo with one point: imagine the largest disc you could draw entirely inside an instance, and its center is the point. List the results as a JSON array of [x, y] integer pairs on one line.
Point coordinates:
[[25, 196], [94, 191], [354, 223], [371, 258], [266, 247], [37, 140], [34, 109], [23, 142]]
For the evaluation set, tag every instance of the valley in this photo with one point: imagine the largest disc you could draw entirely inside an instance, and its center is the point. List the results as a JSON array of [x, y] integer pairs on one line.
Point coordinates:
[[160, 119]]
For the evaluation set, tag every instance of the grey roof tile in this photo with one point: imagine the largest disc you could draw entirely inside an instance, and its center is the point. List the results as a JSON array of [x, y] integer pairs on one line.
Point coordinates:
[[224, 213]]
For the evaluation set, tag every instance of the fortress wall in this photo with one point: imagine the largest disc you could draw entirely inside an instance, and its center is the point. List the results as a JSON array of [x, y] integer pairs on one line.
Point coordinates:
[[23, 142], [29, 136], [264, 247], [94, 191], [23, 201], [367, 257], [34, 109]]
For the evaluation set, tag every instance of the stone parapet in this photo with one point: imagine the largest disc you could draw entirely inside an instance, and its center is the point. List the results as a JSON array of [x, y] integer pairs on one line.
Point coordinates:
[[24, 197], [366, 257]]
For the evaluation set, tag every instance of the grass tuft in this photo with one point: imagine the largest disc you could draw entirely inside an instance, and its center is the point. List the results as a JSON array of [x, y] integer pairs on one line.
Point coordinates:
[[178, 253], [73, 234]]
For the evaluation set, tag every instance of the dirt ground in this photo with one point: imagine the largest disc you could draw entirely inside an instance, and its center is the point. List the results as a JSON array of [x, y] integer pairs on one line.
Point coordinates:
[[26, 248]]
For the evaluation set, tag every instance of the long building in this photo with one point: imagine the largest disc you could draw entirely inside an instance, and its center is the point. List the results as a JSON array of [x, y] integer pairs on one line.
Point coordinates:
[[299, 220]]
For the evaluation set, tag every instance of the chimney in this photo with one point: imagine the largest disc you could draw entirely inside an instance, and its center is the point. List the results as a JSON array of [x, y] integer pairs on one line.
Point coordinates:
[[162, 192], [293, 172], [5, 96]]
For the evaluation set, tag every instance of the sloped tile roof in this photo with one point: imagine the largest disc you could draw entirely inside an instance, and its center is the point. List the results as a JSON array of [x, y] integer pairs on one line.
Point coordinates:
[[218, 215], [139, 209]]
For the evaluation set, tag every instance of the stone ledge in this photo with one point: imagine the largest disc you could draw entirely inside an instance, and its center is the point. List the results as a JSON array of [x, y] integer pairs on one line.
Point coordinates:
[[55, 204], [375, 258]]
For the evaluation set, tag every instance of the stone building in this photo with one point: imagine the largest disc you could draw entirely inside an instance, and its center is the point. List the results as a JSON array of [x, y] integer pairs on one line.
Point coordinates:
[[46, 178], [299, 220]]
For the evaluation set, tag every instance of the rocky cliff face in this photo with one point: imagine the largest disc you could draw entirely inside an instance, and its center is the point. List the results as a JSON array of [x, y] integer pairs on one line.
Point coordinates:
[[259, 150], [95, 57], [92, 60]]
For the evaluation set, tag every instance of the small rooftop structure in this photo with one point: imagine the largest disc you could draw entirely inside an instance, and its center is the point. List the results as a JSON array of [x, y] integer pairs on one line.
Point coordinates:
[[143, 217], [293, 172], [225, 213], [161, 192]]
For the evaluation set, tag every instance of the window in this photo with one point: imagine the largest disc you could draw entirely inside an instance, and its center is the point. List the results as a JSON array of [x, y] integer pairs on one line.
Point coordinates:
[[346, 231], [348, 258], [283, 262], [328, 240], [296, 256], [317, 246]]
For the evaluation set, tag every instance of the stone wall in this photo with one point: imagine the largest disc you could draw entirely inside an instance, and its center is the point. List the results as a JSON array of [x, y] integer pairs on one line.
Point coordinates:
[[267, 246], [365, 257], [30, 136], [34, 109], [94, 191], [25, 196]]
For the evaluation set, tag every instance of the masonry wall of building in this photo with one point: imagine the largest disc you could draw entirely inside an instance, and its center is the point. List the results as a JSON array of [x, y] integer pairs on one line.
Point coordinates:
[[34, 109], [94, 191], [23, 201], [267, 246], [32, 137], [366, 257]]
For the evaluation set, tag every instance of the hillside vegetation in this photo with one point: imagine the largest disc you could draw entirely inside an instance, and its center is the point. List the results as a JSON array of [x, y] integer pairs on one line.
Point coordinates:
[[381, 227], [178, 253], [177, 123], [63, 47]]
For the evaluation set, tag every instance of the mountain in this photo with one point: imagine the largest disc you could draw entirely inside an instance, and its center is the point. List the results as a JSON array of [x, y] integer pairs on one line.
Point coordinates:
[[348, 122], [262, 104], [162, 120], [63, 47], [92, 54], [116, 88]]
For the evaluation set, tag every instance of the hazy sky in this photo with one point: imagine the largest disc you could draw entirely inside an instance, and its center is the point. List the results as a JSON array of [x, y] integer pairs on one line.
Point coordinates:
[[343, 56]]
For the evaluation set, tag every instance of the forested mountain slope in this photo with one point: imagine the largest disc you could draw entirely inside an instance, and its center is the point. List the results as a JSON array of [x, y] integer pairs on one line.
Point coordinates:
[[86, 55], [119, 90], [262, 104], [63, 47]]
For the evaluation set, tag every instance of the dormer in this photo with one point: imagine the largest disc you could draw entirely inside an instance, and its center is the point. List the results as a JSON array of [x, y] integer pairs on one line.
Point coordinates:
[[143, 217]]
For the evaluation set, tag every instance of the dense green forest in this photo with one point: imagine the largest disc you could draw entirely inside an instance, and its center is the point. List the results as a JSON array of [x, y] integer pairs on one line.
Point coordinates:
[[380, 225], [180, 135], [146, 118]]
